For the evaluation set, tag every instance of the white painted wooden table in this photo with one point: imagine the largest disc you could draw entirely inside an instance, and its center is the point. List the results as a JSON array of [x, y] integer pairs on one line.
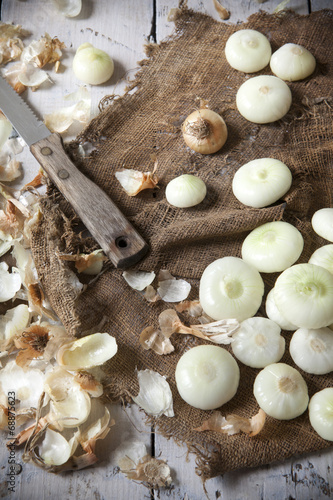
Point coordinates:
[[122, 27]]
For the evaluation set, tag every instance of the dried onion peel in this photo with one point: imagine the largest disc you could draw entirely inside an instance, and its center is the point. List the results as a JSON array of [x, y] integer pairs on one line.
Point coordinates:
[[204, 131], [87, 352]]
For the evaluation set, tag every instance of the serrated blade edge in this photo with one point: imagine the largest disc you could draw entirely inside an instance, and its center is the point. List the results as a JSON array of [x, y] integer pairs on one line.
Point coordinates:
[[21, 116]]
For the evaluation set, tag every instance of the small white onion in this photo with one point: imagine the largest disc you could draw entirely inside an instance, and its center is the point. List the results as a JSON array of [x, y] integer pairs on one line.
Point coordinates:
[[207, 377], [258, 343], [94, 263], [263, 99], [261, 182], [185, 191], [248, 50], [321, 413], [273, 247], [281, 391], [292, 62], [87, 352], [322, 223], [230, 288], [312, 350], [323, 257], [91, 65], [274, 314], [304, 295]]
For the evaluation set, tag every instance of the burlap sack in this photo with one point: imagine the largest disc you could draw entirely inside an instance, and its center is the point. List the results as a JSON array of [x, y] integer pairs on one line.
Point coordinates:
[[127, 133]]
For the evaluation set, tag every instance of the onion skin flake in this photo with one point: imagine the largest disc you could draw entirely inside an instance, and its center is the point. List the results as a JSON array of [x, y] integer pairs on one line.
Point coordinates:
[[234, 424]]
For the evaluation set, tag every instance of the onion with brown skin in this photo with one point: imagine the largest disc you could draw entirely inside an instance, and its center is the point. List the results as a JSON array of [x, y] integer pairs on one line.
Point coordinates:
[[204, 131]]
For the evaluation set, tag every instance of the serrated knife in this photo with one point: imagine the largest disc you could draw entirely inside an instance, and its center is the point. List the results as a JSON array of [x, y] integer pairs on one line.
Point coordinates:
[[117, 237]]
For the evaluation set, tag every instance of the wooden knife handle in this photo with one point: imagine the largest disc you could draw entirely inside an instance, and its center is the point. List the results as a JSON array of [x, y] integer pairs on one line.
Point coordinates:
[[106, 223]]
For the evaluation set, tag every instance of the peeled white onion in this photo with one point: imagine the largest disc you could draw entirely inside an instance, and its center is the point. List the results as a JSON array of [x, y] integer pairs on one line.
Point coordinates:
[[207, 377], [292, 62], [185, 191], [261, 182], [263, 99], [91, 65], [230, 288], [258, 343], [281, 391], [273, 247], [321, 413], [303, 293], [274, 314], [322, 223], [248, 50], [312, 350], [323, 257]]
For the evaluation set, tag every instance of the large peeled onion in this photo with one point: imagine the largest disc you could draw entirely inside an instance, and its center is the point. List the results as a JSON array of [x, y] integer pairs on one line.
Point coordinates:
[[207, 376], [263, 99], [230, 288]]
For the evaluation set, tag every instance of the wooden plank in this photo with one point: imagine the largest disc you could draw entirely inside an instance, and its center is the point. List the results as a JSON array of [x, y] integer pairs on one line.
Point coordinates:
[[321, 4], [102, 481], [239, 11]]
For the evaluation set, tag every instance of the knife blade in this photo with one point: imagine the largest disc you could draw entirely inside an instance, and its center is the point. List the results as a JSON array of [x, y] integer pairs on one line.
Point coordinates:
[[115, 234]]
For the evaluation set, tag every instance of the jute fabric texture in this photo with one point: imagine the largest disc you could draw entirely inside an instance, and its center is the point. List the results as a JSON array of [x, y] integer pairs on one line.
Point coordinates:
[[134, 130]]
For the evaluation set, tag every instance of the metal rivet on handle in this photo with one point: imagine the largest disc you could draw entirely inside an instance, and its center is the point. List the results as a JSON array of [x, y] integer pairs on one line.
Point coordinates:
[[46, 151], [63, 174]]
